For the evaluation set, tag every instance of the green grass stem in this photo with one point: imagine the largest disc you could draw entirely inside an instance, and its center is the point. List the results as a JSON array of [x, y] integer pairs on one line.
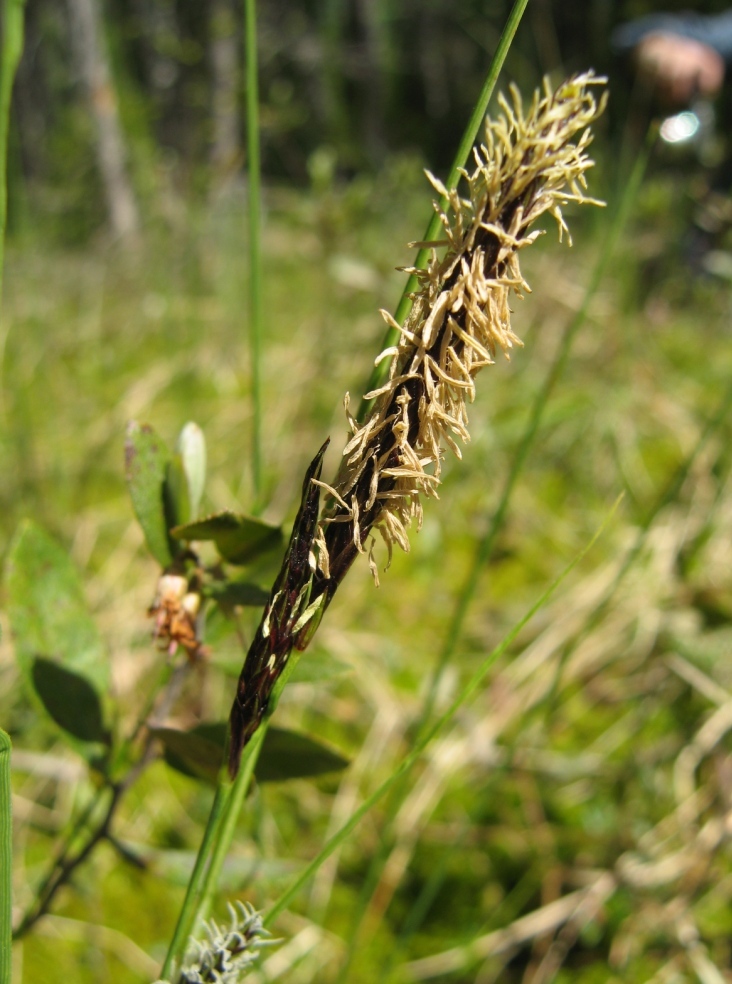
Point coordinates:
[[218, 836], [196, 884], [432, 232], [430, 733], [6, 861], [227, 827], [254, 171], [12, 49]]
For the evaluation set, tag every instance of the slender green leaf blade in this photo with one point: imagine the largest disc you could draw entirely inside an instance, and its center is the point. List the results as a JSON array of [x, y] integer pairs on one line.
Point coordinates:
[[47, 610], [146, 465], [70, 700], [6, 860], [239, 539]]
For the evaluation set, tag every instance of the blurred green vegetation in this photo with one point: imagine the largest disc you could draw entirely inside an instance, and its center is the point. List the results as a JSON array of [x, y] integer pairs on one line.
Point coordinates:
[[600, 747], [559, 768]]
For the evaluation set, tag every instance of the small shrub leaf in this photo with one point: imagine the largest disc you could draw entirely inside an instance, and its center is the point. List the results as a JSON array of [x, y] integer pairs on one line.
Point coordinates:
[[289, 755], [177, 503], [192, 450], [229, 594], [285, 754], [197, 753], [70, 700], [319, 667], [239, 539], [146, 466]]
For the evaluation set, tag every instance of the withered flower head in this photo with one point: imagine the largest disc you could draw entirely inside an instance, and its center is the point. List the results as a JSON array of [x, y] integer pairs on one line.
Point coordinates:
[[175, 610]]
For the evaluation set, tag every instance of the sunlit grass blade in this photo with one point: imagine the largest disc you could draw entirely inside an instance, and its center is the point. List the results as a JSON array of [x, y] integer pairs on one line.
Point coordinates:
[[255, 250], [470, 688], [212, 853], [196, 882], [433, 229], [12, 49], [6, 860]]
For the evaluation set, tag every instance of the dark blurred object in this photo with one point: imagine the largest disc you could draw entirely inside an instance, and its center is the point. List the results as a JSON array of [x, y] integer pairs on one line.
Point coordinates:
[[680, 62], [684, 55]]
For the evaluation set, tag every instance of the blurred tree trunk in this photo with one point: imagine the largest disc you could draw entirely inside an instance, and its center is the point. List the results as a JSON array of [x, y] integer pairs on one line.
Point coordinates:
[[87, 30], [224, 56], [160, 37]]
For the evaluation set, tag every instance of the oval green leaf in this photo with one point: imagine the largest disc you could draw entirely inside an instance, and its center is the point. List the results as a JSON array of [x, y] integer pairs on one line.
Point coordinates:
[[285, 754], [191, 447], [239, 539], [319, 667], [70, 700], [146, 465], [176, 499], [197, 753], [230, 594], [289, 755]]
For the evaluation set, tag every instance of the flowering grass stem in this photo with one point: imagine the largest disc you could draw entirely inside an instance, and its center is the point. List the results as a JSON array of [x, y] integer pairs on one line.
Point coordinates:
[[531, 161], [195, 887]]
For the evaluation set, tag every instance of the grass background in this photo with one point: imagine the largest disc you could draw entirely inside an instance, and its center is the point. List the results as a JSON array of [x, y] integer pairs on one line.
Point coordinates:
[[596, 761]]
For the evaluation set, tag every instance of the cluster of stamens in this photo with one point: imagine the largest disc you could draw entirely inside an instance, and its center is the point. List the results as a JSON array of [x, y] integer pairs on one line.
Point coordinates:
[[459, 320]]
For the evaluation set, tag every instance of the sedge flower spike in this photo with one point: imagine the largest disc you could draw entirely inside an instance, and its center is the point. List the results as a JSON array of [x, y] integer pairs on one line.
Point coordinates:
[[460, 318], [531, 162]]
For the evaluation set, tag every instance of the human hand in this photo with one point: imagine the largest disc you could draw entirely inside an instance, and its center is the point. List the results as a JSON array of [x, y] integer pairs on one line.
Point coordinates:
[[681, 68]]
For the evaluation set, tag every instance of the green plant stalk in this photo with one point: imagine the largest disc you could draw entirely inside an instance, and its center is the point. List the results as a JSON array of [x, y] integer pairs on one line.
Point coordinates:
[[183, 927], [379, 373], [6, 861], [12, 49], [227, 827], [408, 761], [254, 170], [219, 834]]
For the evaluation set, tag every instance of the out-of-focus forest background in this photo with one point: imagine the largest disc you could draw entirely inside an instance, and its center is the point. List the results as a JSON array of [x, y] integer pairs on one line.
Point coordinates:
[[573, 822]]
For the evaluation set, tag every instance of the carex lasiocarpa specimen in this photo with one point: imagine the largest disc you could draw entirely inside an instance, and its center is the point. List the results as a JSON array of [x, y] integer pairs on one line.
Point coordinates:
[[531, 162]]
